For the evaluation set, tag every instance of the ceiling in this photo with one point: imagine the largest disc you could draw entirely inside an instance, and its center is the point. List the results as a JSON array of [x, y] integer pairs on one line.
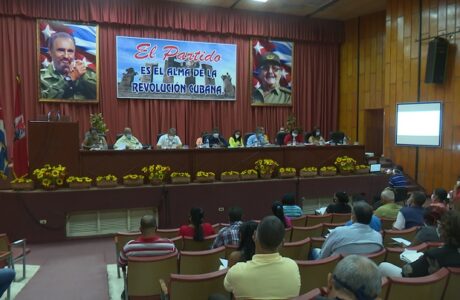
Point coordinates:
[[324, 9]]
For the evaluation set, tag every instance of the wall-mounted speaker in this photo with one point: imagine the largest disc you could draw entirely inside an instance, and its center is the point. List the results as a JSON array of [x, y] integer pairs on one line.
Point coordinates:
[[436, 60]]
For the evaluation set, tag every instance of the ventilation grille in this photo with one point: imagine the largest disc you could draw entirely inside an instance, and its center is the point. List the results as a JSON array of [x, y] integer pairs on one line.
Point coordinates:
[[91, 223]]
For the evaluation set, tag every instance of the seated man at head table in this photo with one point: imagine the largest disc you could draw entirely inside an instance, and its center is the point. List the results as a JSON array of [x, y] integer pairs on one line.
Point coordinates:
[[94, 141], [216, 140], [169, 140], [127, 141], [257, 139]]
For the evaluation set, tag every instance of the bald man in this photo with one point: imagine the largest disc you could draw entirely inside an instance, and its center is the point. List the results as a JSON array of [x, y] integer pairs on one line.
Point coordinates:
[[127, 141]]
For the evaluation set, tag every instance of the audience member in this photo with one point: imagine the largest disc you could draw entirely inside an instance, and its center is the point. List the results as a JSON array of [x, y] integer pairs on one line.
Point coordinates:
[[315, 137], [389, 208], [169, 140], [277, 209], [216, 140], [340, 204], [290, 208], [268, 275], [439, 200], [230, 235], [148, 244], [293, 138], [236, 140], [94, 141], [398, 179], [354, 278], [359, 233], [429, 231], [412, 215], [375, 223], [257, 139], [6, 277], [435, 258], [127, 141], [247, 248], [196, 228]]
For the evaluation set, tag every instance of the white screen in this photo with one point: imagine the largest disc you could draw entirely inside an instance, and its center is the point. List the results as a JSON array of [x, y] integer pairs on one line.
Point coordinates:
[[418, 124]]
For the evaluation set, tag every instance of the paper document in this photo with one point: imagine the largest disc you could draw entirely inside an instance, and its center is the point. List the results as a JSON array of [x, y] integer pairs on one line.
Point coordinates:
[[223, 262], [321, 211], [410, 256], [406, 243]]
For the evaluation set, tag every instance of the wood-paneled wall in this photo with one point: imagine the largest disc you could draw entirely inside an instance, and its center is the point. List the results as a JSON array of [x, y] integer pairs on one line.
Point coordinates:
[[395, 37]]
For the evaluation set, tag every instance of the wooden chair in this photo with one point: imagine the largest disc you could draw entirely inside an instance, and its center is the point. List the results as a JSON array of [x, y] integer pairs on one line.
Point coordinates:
[[384, 291], [429, 287], [340, 218], [196, 287], [318, 219], [299, 222], [229, 249], [407, 234], [310, 295], [393, 254], [287, 234], [168, 233], [143, 272], [317, 242], [200, 262], [296, 250], [313, 273], [120, 239], [17, 252], [192, 245], [387, 223], [218, 226], [178, 242], [377, 257], [301, 233], [453, 284], [327, 227]]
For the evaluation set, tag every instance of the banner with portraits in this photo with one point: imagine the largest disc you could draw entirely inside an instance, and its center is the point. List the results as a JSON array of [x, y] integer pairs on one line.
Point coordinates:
[[272, 67], [150, 68], [68, 61]]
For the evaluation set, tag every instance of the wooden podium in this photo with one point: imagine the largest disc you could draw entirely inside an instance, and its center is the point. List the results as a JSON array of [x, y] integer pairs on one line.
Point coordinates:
[[53, 143]]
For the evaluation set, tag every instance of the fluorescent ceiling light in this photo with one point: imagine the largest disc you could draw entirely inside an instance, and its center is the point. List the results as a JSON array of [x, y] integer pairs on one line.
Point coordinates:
[[260, 0]]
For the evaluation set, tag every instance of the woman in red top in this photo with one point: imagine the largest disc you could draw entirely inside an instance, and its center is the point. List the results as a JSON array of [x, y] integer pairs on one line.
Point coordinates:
[[196, 229]]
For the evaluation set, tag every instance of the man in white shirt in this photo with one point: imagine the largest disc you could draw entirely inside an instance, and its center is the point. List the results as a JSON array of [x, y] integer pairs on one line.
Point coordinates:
[[127, 141], [169, 140]]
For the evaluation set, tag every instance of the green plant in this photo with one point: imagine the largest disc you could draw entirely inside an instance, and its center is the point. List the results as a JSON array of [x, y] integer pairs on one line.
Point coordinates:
[[97, 121]]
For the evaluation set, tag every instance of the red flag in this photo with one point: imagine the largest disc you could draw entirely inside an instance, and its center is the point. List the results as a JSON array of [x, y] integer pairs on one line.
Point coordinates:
[[20, 159]]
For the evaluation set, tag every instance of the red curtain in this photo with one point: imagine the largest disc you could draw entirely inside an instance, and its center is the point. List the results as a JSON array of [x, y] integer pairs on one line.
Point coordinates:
[[315, 83]]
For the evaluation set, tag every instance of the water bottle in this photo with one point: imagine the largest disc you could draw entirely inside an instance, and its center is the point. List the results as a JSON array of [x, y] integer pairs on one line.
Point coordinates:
[[345, 140]]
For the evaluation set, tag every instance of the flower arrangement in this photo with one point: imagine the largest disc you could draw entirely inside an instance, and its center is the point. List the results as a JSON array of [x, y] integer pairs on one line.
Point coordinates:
[[133, 179], [3, 176], [106, 181], [266, 167], [328, 171], [202, 176], [79, 182], [97, 121], [22, 183], [362, 169], [345, 163], [308, 171], [230, 176], [180, 177], [287, 172], [50, 177], [249, 174], [156, 174]]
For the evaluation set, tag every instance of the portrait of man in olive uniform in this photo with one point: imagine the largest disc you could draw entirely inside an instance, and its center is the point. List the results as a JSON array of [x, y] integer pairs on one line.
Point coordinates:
[[271, 75], [66, 77]]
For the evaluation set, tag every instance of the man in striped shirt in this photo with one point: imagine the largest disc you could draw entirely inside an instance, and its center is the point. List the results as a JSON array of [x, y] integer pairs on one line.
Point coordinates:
[[230, 235], [148, 244]]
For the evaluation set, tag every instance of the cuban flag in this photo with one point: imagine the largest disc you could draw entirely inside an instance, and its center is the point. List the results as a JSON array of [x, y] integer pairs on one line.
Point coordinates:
[[3, 152], [85, 41], [283, 49]]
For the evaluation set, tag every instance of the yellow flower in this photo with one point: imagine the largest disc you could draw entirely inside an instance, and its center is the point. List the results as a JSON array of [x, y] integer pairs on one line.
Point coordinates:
[[59, 181], [46, 182]]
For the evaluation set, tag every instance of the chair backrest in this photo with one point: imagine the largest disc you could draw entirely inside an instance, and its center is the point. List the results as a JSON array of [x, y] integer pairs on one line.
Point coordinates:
[[340, 218], [4, 242], [168, 233], [327, 227], [301, 233], [407, 234], [159, 136], [318, 219], [393, 253], [192, 245], [387, 223], [421, 288], [229, 249], [359, 248], [296, 250], [385, 286], [246, 136], [377, 257], [280, 138], [199, 262], [196, 287], [218, 226], [178, 242], [300, 221], [121, 238], [310, 295], [144, 272], [287, 234], [4, 258], [453, 284], [313, 273]]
